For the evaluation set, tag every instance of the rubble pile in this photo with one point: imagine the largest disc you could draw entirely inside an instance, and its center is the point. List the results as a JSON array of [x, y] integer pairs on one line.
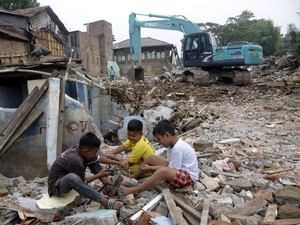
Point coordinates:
[[247, 141]]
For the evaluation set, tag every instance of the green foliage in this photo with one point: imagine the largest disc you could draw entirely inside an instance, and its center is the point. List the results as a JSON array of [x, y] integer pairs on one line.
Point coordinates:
[[245, 28], [293, 46], [18, 4]]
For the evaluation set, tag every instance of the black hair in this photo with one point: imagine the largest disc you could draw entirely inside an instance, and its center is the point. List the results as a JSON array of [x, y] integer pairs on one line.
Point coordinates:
[[135, 125], [164, 126], [89, 140]]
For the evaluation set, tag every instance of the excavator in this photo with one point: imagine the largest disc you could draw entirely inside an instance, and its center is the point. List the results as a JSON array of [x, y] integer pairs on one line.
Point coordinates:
[[201, 57]]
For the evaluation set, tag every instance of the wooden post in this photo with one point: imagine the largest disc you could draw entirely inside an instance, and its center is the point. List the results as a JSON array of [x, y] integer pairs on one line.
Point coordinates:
[[62, 107]]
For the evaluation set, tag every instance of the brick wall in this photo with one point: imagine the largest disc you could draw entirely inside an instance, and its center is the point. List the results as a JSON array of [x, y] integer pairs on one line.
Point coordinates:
[[13, 51], [90, 53], [103, 30]]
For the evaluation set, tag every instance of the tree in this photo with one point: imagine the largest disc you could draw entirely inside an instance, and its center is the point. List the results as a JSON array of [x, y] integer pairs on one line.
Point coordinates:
[[245, 28], [18, 4], [291, 41], [294, 44]]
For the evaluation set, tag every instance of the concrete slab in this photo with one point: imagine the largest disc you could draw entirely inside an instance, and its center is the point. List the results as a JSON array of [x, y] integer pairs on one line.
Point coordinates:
[[55, 208], [99, 217]]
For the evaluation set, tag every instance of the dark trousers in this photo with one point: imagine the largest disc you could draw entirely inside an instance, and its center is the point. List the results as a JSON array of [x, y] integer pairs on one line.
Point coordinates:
[[73, 181]]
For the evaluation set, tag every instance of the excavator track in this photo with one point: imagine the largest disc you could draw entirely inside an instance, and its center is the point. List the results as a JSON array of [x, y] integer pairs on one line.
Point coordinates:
[[242, 77], [201, 77], [198, 76], [239, 77]]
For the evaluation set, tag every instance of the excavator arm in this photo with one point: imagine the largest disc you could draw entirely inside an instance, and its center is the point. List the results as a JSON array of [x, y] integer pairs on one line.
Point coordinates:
[[176, 23]]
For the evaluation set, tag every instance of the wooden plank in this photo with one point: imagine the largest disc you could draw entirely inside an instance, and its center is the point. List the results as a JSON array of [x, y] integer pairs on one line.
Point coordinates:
[[270, 215], [176, 217], [189, 218], [149, 206], [215, 173], [271, 171], [251, 207], [260, 219], [287, 221], [61, 115], [30, 119], [236, 222], [241, 217], [187, 208], [8, 124], [205, 212], [22, 113]]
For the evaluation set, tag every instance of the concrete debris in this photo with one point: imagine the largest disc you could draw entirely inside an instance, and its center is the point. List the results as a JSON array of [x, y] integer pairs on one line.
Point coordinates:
[[247, 142]]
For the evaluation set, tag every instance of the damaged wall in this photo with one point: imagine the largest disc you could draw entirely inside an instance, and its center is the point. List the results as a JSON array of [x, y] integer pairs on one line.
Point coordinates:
[[13, 51], [103, 30], [28, 156]]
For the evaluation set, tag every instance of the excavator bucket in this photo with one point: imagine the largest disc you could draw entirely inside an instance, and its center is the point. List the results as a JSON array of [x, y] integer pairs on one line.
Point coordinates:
[[135, 74]]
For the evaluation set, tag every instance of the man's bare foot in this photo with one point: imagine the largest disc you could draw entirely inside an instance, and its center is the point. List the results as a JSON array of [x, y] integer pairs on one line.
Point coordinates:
[[128, 190], [111, 203]]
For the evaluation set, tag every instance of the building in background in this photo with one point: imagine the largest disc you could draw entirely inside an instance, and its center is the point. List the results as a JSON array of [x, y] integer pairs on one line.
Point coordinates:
[[155, 56]]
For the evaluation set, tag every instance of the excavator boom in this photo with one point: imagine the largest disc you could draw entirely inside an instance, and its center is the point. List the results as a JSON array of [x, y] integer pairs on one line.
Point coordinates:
[[175, 23]]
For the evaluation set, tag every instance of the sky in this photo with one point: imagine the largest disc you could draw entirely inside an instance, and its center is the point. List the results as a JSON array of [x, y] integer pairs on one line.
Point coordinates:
[[74, 14]]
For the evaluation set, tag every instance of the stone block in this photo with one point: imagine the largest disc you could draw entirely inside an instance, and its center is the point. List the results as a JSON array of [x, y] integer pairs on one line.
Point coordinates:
[[99, 217], [55, 208]]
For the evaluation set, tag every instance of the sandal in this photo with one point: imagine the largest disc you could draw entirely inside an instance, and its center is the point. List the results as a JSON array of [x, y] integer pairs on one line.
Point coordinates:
[[116, 182], [105, 189], [111, 189]]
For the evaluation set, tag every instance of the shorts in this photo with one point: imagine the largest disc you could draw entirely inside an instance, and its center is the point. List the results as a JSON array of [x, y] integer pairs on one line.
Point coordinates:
[[182, 179]]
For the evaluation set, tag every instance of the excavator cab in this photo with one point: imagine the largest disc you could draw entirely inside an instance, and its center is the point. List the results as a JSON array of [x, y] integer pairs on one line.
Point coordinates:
[[197, 50]]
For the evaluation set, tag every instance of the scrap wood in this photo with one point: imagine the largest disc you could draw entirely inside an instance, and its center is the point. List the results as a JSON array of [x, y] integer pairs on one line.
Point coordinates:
[[272, 171], [287, 221], [206, 155], [247, 142], [270, 214], [209, 182], [205, 212], [148, 206], [251, 207], [260, 219], [214, 172], [189, 218], [237, 222], [22, 112], [8, 204], [242, 153], [185, 207], [8, 125], [24, 125], [30, 221], [182, 202], [176, 217], [241, 217]]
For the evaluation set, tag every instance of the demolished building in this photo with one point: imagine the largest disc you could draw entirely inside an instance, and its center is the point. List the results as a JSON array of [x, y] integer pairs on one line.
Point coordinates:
[[36, 51]]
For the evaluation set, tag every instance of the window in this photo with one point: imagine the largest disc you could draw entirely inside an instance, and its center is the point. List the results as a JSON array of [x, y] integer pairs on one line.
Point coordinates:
[[158, 56]]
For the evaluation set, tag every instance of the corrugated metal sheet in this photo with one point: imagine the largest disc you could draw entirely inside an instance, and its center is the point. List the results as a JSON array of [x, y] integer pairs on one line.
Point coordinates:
[[36, 10], [15, 32]]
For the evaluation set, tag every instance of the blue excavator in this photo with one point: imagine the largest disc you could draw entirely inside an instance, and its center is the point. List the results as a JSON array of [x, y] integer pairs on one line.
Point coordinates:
[[201, 56]]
